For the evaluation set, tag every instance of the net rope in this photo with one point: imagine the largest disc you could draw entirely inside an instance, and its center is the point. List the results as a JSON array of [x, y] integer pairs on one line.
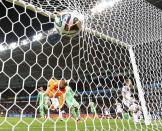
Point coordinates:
[[97, 61]]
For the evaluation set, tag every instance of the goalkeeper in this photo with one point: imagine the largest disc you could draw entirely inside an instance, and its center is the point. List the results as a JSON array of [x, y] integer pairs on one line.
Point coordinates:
[[43, 102], [56, 92], [72, 104], [59, 89]]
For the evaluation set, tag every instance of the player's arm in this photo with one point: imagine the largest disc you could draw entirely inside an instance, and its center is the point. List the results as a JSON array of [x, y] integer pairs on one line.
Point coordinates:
[[72, 92], [38, 96], [49, 89], [124, 94], [62, 100]]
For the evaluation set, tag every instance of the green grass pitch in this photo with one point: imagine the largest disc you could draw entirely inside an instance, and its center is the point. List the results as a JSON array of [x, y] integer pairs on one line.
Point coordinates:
[[98, 124]]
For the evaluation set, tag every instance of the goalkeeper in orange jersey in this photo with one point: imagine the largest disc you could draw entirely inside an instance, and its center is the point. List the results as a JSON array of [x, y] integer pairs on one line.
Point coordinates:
[[59, 89], [56, 92]]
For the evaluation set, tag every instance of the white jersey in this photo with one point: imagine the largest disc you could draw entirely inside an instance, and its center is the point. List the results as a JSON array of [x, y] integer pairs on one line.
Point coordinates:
[[119, 108], [134, 107], [106, 111], [126, 93]]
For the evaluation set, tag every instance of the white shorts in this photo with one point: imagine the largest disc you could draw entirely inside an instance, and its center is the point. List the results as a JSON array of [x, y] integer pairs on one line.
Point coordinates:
[[106, 112], [134, 107], [120, 110], [126, 103], [55, 102]]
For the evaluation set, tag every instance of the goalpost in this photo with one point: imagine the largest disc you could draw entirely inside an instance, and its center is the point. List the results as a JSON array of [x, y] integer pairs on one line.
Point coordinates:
[[121, 39]]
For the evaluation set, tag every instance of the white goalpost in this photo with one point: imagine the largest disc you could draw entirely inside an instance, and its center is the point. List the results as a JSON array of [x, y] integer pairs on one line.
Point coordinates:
[[120, 41], [139, 87]]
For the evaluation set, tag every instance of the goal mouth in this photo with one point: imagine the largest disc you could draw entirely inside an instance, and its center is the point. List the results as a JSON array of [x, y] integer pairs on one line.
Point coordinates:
[[119, 41]]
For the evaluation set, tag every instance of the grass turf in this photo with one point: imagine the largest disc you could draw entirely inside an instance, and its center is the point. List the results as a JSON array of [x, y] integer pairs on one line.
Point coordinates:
[[71, 125]]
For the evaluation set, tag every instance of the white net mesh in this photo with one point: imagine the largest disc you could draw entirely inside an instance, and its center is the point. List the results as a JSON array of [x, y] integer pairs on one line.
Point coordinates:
[[97, 63]]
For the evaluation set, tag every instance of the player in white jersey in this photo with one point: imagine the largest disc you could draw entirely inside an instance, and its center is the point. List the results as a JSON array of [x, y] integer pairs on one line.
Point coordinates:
[[106, 111], [129, 103], [136, 110], [119, 110], [126, 93]]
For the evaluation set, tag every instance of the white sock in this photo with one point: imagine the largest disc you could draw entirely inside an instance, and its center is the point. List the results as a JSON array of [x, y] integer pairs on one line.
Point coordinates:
[[60, 115], [136, 117], [48, 113]]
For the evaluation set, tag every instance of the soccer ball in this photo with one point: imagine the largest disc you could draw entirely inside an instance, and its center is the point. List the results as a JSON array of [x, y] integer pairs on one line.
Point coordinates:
[[68, 23]]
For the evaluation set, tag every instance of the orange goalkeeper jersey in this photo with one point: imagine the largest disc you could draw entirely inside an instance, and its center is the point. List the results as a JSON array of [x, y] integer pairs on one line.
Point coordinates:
[[54, 91]]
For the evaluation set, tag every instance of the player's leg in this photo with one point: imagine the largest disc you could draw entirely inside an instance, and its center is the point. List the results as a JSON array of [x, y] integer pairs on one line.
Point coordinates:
[[136, 117], [119, 115], [47, 104], [134, 108], [54, 103], [95, 113], [77, 109], [61, 114], [56, 106], [73, 106], [73, 112], [41, 110], [126, 111]]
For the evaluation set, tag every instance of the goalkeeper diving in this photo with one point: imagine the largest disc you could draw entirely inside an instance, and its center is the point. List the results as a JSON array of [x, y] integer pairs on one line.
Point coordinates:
[[59, 93]]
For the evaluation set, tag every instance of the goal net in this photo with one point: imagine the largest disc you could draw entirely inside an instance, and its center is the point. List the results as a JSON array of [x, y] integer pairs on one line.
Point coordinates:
[[113, 66]]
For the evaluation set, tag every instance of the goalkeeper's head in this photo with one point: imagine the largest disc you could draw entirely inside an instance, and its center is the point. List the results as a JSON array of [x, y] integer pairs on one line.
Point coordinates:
[[62, 84]]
